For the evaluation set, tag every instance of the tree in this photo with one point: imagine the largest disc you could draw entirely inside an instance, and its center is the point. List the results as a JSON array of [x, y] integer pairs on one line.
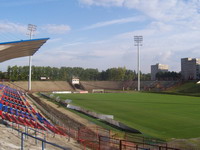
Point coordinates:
[[66, 73], [168, 75]]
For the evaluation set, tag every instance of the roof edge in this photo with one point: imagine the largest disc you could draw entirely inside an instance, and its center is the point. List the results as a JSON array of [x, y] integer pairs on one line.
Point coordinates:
[[24, 41]]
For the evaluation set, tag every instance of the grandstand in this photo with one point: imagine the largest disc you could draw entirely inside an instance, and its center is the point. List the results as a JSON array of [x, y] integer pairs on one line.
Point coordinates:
[[150, 85], [15, 108], [16, 111], [110, 85], [45, 86], [92, 85], [128, 85], [50, 86]]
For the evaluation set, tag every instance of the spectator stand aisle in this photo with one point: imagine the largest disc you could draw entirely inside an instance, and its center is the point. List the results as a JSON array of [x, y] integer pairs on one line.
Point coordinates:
[[16, 109]]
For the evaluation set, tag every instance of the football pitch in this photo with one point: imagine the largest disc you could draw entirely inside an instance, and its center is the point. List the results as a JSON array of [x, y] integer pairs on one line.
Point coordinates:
[[158, 115]]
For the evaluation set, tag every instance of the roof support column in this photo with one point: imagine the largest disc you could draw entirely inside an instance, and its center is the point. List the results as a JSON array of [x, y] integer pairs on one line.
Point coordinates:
[[30, 70]]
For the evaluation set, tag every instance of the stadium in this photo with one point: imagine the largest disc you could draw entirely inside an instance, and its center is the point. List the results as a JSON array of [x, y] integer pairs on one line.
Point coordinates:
[[95, 114], [99, 75], [55, 106]]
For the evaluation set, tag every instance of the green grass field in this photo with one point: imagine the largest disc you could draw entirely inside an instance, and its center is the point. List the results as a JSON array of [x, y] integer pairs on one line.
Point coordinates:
[[158, 115]]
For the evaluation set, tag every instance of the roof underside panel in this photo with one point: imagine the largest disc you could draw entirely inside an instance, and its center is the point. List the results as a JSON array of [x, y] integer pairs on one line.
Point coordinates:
[[17, 49]]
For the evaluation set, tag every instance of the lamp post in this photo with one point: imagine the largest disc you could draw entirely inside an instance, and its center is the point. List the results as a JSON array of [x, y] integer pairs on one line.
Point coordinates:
[[32, 29], [138, 42]]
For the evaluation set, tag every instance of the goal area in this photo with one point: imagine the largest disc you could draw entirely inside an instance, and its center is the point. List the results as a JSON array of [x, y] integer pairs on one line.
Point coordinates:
[[98, 91]]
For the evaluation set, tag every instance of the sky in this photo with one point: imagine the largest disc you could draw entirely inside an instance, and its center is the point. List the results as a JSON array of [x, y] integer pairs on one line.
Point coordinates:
[[100, 33]]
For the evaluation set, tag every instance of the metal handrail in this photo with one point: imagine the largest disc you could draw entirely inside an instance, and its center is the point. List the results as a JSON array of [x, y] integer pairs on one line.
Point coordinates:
[[43, 142]]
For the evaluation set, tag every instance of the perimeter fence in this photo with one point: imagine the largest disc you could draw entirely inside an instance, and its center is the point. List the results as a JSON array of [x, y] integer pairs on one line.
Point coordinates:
[[106, 143]]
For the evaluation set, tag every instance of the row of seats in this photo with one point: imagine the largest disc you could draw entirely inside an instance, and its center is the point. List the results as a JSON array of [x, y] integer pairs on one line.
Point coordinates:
[[12, 99], [14, 105], [11, 93], [16, 112], [21, 121], [15, 108]]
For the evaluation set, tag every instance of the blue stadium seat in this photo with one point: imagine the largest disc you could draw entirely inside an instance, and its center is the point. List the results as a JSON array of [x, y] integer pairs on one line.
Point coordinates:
[[1, 105], [5, 109]]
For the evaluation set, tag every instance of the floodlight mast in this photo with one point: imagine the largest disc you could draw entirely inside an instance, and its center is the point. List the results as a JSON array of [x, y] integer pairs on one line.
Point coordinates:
[[32, 28], [138, 42]]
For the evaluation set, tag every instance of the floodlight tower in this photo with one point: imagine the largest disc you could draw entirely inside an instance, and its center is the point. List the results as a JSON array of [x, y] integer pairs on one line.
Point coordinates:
[[138, 42], [32, 28]]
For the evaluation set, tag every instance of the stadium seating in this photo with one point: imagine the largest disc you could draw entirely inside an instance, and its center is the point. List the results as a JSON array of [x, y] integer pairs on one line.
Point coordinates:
[[15, 108]]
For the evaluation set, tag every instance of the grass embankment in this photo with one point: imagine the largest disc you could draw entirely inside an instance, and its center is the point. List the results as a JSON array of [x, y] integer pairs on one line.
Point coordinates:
[[158, 115], [188, 88]]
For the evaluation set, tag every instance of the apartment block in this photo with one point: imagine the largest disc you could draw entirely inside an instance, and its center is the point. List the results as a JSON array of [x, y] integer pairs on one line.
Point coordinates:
[[190, 68], [158, 68]]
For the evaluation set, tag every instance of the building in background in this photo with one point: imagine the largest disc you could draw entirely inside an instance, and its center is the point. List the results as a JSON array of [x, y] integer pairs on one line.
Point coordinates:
[[190, 68], [158, 68]]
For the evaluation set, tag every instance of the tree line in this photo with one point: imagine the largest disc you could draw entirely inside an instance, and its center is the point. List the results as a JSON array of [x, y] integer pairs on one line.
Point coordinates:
[[168, 75], [21, 73]]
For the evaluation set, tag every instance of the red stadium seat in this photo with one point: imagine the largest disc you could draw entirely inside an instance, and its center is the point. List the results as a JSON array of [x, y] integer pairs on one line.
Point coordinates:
[[28, 123], [33, 111], [8, 117], [14, 119], [22, 121], [10, 104], [1, 113], [3, 116], [39, 126], [33, 123]]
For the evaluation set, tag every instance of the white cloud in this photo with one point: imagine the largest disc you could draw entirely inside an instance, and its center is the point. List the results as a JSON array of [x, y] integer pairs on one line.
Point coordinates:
[[12, 27], [56, 29], [158, 9], [117, 21], [163, 56], [169, 10]]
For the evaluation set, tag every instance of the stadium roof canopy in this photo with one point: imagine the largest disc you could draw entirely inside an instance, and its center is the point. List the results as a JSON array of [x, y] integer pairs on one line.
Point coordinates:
[[15, 49]]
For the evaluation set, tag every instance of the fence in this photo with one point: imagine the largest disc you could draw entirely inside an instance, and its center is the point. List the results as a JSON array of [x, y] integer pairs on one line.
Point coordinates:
[[144, 139], [106, 143]]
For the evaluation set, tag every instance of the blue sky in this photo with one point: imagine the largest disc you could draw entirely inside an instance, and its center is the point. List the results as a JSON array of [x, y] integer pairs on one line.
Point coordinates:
[[100, 33]]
